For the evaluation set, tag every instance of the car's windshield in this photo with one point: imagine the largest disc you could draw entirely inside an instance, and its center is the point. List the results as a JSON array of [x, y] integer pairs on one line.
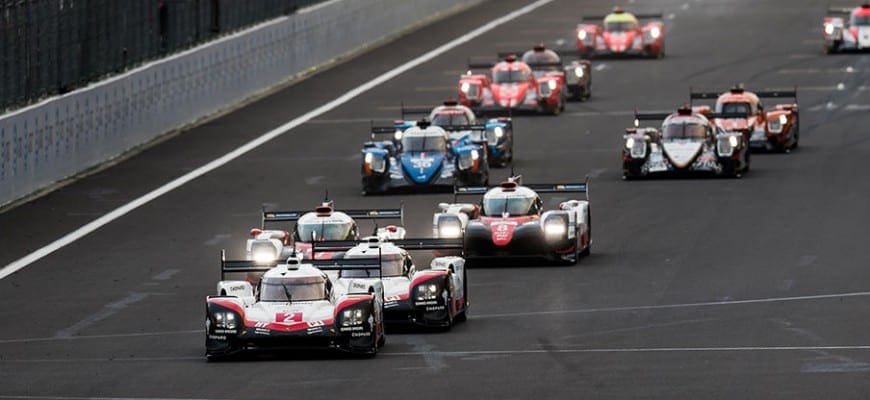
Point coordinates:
[[684, 130], [323, 230], [510, 76], [859, 20], [542, 61], [298, 289], [619, 26], [391, 263], [735, 108], [420, 143], [513, 205], [448, 119]]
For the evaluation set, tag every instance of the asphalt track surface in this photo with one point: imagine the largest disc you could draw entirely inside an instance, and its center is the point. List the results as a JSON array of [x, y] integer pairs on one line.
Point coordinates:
[[749, 288]]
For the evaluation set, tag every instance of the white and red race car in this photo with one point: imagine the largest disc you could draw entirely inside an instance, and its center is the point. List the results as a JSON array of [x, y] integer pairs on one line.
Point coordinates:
[[292, 305], [510, 87], [843, 35], [323, 223], [777, 128], [510, 221], [433, 297], [621, 34]]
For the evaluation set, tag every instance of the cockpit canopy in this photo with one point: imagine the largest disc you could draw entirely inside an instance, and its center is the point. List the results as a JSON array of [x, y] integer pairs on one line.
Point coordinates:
[[517, 203], [511, 75], [620, 22], [684, 128], [735, 107], [449, 118], [292, 288], [429, 140], [325, 229]]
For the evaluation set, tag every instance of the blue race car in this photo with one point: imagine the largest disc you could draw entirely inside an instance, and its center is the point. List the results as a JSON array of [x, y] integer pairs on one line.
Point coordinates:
[[464, 127], [421, 156]]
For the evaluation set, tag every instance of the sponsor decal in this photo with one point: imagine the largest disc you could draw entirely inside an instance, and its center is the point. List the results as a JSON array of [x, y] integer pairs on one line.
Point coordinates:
[[261, 331], [313, 331], [236, 288], [312, 324], [435, 308], [360, 334], [359, 285], [426, 303], [224, 331], [217, 337], [392, 298], [350, 328]]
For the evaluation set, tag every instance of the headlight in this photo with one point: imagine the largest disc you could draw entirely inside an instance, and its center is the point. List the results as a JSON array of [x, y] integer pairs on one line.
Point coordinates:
[[475, 154], [655, 32], [449, 227], [581, 35], [783, 119], [774, 125], [263, 252], [377, 164], [733, 141], [578, 71], [225, 320], [499, 132], [469, 160], [427, 292], [629, 143], [637, 42], [552, 85], [725, 146], [356, 316], [829, 29], [398, 135], [555, 228], [464, 87]]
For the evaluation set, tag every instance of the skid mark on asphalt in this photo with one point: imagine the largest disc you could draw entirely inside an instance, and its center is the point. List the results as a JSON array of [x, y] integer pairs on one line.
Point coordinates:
[[434, 361], [840, 363], [640, 328], [167, 275], [107, 311], [460, 353], [676, 306]]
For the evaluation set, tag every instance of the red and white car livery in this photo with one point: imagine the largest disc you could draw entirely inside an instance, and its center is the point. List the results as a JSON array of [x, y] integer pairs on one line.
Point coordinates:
[[847, 29], [292, 305], [323, 223], [433, 297], [510, 221], [621, 34], [775, 129], [510, 86]]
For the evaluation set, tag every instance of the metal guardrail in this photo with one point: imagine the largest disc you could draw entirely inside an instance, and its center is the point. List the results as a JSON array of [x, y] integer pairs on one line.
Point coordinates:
[[51, 47]]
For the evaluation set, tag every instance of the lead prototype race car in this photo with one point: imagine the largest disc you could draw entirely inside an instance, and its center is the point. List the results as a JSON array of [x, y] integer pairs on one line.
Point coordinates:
[[776, 129], [465, 128], [433, 297], [621, 34], [847, 29], [322, 223], [421, 157], [510, 222], [293, 305], [688, 143]]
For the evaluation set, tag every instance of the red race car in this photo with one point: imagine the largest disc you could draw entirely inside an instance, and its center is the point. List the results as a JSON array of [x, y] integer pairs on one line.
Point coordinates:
[[511, 86], [575, 76], [852, 35], [777, 129], [622, 35]]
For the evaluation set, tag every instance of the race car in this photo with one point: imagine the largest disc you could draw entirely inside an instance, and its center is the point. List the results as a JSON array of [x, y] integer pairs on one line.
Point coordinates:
[[688, 143], [510, 87], [843, 36], [776, 129], [291, 305], [510, 221], [419, 157], [622, 35], [575, 76], [464, 128], [434, 297], [323, 223]]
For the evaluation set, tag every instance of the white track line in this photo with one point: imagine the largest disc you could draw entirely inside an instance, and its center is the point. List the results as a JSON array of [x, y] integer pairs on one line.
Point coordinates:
[[670, 306], [89, 398], [253, 144]]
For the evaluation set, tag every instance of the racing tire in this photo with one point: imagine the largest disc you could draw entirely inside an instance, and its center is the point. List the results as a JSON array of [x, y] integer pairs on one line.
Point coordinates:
[[382, 340]]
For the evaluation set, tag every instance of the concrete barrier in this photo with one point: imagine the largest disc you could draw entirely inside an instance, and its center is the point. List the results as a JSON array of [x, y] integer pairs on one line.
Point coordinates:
[[63, 136]]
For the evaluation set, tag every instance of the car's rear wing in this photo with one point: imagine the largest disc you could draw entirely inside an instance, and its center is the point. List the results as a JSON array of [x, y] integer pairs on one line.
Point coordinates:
[[840, 10], [458, 128], [540, 188], [660, 116], [638, 16], [372, 213], [407, 244], [774, 94], [242, 266], [414, 111], [351, 264], [477, 64]]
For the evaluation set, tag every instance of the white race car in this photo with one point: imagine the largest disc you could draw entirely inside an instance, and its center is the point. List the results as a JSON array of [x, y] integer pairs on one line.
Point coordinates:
[[323, 223], [434, 297], [293, 305]]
